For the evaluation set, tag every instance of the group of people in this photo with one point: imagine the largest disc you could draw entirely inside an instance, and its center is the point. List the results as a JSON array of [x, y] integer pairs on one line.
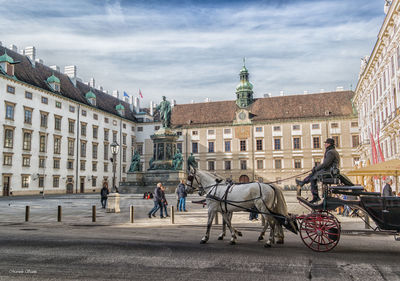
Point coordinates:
[[148, 195], [160, 202]]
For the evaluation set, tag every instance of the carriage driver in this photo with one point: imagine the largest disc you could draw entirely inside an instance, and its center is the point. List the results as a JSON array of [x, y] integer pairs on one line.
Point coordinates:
[[331, 159]]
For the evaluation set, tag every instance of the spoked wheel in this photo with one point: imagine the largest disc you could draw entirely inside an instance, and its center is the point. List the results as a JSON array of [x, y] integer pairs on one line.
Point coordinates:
[[320, 231]]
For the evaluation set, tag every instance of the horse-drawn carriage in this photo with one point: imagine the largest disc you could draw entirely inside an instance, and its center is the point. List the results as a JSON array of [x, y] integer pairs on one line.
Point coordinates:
[[320, 230]]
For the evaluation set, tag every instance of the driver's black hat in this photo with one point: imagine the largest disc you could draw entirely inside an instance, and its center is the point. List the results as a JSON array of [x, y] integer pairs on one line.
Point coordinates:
[[330, 141]]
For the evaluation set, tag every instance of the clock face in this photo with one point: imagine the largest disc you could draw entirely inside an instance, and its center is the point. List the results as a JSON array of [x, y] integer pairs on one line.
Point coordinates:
[[242, 115]]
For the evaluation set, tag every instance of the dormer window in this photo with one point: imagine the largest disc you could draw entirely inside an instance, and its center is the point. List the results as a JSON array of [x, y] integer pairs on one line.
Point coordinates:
[[7, 64], [91, 98], [54, 83], [120, 109]]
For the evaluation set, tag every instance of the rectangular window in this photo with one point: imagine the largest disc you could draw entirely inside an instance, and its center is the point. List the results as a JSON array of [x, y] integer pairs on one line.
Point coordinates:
[[227, 131], [242, 145], [94, 180], [228, 146], [57, 145], [105, 167], [133, 128], [58, 104], [114, 136], [26, 161], [211, 165], [316, 142], [95, 116], [296, 143], [42, 162], [57, 123], [296, 127], [56, 181], [95, 132], [317, 161], [354, 124], [71, 126], [259, 129], [8, 138], [179, 133], [227, 165], [277, 144], [56, 163], [334, 125], [124, 139], [260, 164], [124, 154], [45, 100], [195, 147], [315, 126], [179, 146], [336, 139], [83, 165], [83, 149], [105, 135], [10, 89], [94, 151], [259, 145], [211, 146], [106, 120], [71, 145], [83, 129], [140, 129], [28, 95], [84, 113], [106, 151], [277, 128], [140, 149], [10, 111], [70, 164], [355, 140], [243, 164], [43, 120], [27, 140], [124, 126], [25, 181], [41, 181], [278, 163], [297, 163], [28, 116], [156, 128], [7, 159], [94, 166], [211, 132], [71, 108], [195, 133]]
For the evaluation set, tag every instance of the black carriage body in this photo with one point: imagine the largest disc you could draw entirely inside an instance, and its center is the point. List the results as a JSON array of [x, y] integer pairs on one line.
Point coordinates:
[[385, 211]]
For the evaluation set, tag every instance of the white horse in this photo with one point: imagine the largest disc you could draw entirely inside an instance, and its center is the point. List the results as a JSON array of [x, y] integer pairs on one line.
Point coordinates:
[[268, 200]]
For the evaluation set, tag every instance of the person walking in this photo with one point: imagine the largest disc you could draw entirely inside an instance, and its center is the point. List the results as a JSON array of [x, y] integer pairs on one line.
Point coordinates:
[[157, 201], [182, 196], [104, 195], [387, 189], [164, 202]]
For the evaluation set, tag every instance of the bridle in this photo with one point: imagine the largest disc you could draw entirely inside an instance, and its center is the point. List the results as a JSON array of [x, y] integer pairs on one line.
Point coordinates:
[[194, 177]]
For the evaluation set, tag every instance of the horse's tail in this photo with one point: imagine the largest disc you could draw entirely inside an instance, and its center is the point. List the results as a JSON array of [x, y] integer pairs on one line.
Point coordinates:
[[280, 204]]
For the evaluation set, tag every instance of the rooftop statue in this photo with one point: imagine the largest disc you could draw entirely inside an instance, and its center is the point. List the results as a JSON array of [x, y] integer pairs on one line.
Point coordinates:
[[165, 112]]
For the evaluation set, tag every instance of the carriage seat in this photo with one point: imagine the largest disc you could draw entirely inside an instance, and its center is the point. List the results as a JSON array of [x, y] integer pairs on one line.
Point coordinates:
[[333, 176]]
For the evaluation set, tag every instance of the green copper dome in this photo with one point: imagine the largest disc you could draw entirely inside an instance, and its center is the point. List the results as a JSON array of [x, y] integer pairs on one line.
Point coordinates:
[[244, 86], [120, 107], [6, 58], [90, 95], [244, 91], [53, 79]]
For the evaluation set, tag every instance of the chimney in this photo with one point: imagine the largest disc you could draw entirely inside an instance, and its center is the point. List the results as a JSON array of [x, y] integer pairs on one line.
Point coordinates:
[[339, 88], [30, 52], [131, 103], [14, 48], [55, 67], [207, 99], [39, 61], [173, 103], [192, 101], [101, 88], [137, 104], [92, 83], [151, 108], [115, 94], [322, 90], [70, 71], [305, 92], [281, 93], [267, 95]]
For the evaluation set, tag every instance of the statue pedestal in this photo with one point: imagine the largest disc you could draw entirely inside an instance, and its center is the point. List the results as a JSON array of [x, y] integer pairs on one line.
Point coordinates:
[[113, 203], [148, 181]]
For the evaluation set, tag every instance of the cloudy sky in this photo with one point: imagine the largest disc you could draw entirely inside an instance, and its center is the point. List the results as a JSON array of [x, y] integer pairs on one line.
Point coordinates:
[[191, 49]]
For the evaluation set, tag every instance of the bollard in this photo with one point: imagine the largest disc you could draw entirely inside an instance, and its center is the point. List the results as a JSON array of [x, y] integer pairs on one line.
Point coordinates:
[[59, 213], [172, 215], [132, 214], [94, 213], [216, 219], [27, 208]]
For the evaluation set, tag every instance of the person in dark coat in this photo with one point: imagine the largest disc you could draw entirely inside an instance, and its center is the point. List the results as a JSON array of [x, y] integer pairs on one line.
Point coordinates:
[[331, 159], [182, 196], [157, 201], [104, 195], [387, 189]]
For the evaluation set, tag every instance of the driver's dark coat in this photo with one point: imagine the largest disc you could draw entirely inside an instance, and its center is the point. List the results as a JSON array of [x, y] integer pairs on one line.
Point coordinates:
[[331, 159]]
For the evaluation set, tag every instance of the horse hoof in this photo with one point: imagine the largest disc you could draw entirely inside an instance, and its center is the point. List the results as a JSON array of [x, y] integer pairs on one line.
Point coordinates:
[[260, 238], [203, 242], [279, 241], [267, 245], [240, 233], [220, 237], [232, 243]]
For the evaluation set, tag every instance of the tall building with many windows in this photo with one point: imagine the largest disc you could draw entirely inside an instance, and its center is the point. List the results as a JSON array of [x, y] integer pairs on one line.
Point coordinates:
[[377, 96], [56, 131]]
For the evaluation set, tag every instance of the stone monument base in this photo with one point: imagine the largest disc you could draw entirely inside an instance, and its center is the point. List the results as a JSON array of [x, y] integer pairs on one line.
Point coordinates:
[[113, 203], [141, 182]]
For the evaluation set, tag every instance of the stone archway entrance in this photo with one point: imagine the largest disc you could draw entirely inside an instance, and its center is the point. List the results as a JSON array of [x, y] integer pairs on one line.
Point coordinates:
[[244, 179], [70, 188]]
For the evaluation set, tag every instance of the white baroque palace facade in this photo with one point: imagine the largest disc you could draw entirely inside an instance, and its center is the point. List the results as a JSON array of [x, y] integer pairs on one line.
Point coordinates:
[[56, 131], [377, 95]]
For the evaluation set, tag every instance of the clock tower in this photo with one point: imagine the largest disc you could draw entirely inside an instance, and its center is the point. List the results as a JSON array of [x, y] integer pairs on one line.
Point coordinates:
[[244, 91]]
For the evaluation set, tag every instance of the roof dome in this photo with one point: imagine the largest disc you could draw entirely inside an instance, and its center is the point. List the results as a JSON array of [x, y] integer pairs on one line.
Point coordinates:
[[244, 86], [6, 58], [90, 95], [53, 79], [120, 107]]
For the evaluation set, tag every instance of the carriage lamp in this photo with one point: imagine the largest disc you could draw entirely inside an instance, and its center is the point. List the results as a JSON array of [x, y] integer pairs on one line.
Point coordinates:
[[114, 150]]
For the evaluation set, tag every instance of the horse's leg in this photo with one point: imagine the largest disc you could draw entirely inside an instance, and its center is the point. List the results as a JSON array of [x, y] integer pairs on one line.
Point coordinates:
[[260, 205], [228, 223], [271, 240], [211, 215], [261, 237], [279, 234], [222, 235]]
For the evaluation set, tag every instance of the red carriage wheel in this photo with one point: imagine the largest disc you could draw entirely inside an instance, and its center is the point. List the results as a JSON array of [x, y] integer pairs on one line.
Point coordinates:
[[320, 231]]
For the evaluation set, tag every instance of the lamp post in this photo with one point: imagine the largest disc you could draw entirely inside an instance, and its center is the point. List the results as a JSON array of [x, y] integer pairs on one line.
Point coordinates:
[[114, 150]]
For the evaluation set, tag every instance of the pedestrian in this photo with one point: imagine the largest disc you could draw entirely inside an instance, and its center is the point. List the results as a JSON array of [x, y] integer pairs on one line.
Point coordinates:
[[177, 197], [182, 196], [387, 189], [104, 195], [253, 214], [164, 202], [145, 195], [157, 201]]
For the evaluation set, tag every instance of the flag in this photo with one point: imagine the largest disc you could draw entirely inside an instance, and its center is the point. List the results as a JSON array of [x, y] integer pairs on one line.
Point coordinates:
[[140, 94], [126, 95], [373, 147], [381, 157]]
